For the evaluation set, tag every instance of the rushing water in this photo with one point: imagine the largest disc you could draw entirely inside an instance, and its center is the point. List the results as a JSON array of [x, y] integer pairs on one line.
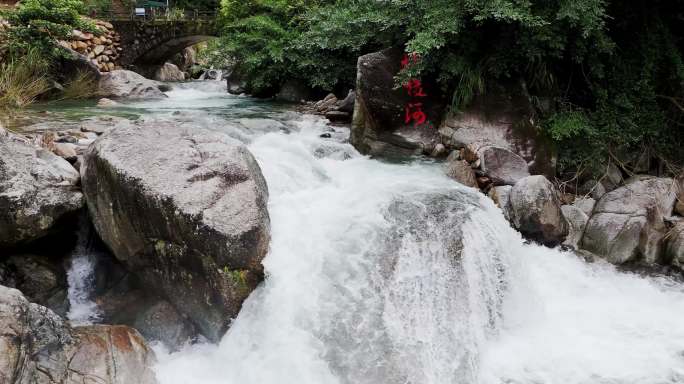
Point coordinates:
[[390, 273], [81, 279]]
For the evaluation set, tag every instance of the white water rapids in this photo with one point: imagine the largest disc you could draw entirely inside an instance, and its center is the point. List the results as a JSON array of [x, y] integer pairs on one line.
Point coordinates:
[[385, 273]]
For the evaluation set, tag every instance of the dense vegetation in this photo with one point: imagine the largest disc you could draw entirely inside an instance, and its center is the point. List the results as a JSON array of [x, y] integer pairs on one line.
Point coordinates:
[[612, 71], [29, 52]]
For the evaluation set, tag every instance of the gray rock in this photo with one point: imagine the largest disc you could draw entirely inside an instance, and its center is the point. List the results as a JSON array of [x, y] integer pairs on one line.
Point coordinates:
[[347, 104], [67, 151], [577, 222], [501, 195], [338, 116], [675, 245], [502, 166], [592, 188], [37, 188], [106, 103], [40, 278], [293, 92], [169, 72], [185, 210], [122, 84], [628, 223], [461, 171], [502, 116], [536, 210], [585, 204], [37, 346], [613, 178], [161, 322]]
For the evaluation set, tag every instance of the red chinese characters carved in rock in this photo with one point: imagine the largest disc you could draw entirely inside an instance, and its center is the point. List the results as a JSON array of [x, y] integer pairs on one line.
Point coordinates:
[[413, 111]]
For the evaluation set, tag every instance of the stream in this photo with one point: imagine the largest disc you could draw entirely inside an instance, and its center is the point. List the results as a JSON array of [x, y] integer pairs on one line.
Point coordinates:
[[384, 273]]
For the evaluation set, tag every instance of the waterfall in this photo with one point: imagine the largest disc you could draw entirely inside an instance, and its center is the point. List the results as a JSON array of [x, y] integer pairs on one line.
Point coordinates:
[[388, 273], [81, 278]]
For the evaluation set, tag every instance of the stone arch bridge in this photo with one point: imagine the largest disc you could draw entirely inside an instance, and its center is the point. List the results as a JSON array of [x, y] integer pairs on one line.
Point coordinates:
[[149, 43]]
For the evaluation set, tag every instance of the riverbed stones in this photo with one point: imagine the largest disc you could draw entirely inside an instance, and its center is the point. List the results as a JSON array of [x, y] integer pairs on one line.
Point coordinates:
[[37, 346], [628, 223], [536, 210], [185, 210], [122, 84], [37, 188], [502, 166]]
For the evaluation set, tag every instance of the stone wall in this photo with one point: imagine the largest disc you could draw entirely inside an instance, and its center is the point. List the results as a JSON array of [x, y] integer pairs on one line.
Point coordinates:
[[103, 51]]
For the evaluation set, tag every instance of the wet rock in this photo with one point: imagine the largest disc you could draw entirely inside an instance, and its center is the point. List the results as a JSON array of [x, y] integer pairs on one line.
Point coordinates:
[[122, 84], [628, 223], [577, 222], [461, 171], [536, 210], [679, 207], [40, 278], [439, 150], [501, 195], [502, 166], [326, 135], [185, 210], [37, 346], [169, 72], [37, 188]]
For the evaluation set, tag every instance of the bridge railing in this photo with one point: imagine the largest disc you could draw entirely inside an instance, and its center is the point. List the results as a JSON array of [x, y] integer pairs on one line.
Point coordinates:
[[155, 14]]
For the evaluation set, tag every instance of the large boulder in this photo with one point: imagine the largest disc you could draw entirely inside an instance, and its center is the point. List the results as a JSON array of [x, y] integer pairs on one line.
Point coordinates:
[[37, 188], [123, 84], [502, 166], [503, 117], [185, 210], [169, 72], [37, 346], [378, 124], [628, 223], [536, 210]]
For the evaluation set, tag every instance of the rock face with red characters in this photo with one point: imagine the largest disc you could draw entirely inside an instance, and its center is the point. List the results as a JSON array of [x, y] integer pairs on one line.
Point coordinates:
[[380, 126]]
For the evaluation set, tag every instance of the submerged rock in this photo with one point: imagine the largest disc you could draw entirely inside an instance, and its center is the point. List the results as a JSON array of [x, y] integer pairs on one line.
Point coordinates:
[[37, 188], [122, 84], [536, 210], [628, 223], [185, 210], [37, 346]]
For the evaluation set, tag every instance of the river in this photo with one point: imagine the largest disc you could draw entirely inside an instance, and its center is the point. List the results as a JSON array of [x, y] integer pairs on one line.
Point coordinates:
[[384, 273]]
